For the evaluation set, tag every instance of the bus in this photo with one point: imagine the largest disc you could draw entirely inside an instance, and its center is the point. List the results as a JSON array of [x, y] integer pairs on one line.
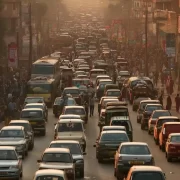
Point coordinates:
[[43, 87], [46, 68]]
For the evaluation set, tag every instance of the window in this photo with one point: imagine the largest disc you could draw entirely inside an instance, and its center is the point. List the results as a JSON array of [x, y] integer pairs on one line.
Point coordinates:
[[8, 155], [147, 176], [76, 111], [122, 123], [40, 69], [70, 127], [31, 114], [158, 114], [71, 91], [114, 137], [12, 133]]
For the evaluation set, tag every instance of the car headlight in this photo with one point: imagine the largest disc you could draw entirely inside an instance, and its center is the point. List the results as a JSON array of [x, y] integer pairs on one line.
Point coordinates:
[[14, 167], [80, 161], [69, 170]]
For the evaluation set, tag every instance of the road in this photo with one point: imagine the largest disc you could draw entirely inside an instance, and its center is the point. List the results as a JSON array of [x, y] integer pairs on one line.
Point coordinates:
[[94, 170]]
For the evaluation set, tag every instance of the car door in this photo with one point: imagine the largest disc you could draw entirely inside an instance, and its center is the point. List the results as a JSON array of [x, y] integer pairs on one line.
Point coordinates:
[[116, 157]]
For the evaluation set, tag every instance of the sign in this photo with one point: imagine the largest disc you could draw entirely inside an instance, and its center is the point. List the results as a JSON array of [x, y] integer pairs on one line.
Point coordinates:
[[12, 55], [171, 51]]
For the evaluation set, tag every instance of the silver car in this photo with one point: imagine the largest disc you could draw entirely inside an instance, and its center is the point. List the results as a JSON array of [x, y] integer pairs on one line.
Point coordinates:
[[15, 136], [58, 158], [10, 163]]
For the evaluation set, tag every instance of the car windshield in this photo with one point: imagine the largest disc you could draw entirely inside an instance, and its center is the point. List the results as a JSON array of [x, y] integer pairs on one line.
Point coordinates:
[[152, 108], [175, 139], [135, 149], [69, 127], [159, 114], [147, 176], [39, 88], [140, 99], [74, 148], [8, 155], [71, 91], [122, 123], [25, 125], [31, 114], [57, 157], [12, 134], [68, 102], [34, 100], [49, 177], [76, 111], [114, 137], [113, 93]]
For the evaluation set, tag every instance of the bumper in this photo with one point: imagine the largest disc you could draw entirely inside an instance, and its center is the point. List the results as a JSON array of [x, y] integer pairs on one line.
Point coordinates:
[[39, 129], [174, 154], [79, 167], [14, 174], [106, 154]]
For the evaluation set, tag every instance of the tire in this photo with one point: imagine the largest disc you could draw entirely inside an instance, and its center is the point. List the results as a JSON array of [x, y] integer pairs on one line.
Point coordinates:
[[43, 133], [163, 148], [26, 153], [100, 160], [31, 147], [156, 141], [149, 132], [81, 174], [114, 172]]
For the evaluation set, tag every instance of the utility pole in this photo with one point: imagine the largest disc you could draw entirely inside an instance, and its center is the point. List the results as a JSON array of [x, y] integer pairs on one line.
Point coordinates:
[[146, 72], [30, 37]]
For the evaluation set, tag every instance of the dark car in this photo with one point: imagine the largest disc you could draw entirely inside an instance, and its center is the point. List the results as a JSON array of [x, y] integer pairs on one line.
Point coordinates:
[[147, 114], [130, 154], [59, 104], [108, 144]]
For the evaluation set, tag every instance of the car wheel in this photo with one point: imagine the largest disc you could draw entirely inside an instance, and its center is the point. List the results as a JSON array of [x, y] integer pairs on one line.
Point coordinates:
[[156, 141], [81, 174], [149, 132], [163, 148], [43, 133], [114, 172], [31, 146], [26, 153]]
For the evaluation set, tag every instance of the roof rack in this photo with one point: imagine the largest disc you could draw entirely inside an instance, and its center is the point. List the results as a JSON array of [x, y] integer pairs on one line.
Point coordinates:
[[40, 78]]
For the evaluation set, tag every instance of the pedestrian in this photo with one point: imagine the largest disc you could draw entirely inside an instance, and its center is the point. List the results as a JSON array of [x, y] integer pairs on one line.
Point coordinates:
[[91, 105], [161, 99], [177, 101], [169, 103], [86, 106]]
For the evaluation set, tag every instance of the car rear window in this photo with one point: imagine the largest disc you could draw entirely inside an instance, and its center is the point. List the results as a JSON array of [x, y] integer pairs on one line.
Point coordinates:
[[175, 139], [113, 93], [162, 121], [152, 108], [122, 123], [147, 176], [69, 127], [114, 137], [31, 114], [135, 150], [76, 111], [158, 114], [71, 91]]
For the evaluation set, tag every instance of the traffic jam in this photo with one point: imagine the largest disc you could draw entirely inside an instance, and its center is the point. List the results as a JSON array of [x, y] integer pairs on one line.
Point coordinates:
[[84, 106]]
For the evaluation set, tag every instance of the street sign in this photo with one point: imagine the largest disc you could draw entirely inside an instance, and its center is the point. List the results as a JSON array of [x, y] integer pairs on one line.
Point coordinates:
[[12, 55]]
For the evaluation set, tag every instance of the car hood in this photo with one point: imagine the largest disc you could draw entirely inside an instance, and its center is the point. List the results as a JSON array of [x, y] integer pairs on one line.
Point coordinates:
[[56, 165], [70, 135], [77, 156], [8, 163], [11, 141]]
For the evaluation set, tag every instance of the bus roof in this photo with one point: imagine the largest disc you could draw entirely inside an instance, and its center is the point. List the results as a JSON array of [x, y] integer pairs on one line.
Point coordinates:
[[46, 62]]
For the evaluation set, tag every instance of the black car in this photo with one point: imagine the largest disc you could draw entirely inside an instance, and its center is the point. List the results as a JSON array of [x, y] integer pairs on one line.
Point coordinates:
[[59, 104]]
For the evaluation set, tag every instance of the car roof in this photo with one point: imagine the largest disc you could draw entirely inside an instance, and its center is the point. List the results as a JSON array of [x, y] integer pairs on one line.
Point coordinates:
[[135, 143], [113, 90], [70, 107], [161, 110], [146, 168], [105, 80], [64, 141], [114, 127], [35, 104], [70, 115], [19, 121], [57, 150], [74, 87], [32, 109], [49, 172], [154, 104], [12, 128], [120, 118], [177, 123], [168, 117], [70, 120], [174, 134], [113, 131], [7, 148], [150, 101]]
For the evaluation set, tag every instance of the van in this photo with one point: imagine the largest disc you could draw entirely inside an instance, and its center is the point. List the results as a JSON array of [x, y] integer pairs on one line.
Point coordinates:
[[167, 128], [160, 121]]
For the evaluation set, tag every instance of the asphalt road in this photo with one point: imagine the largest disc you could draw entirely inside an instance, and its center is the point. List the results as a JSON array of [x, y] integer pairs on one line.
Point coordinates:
[[94, 170]]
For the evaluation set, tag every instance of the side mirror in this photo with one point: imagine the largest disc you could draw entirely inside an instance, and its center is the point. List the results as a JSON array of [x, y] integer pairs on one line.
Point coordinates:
[[84, 153], [19, 157], [39, 161], [94, 145]]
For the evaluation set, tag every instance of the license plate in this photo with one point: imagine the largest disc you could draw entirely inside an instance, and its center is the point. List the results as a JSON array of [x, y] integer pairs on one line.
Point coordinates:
[[33, 122], [136, 162]]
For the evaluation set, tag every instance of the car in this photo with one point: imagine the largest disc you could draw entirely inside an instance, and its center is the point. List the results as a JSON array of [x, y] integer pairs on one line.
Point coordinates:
[[77, 73], [58, 158], [15, 136], [59, 104], [145, 172], [28, 128], [147, 114], [69, 116], [159, 124], [105, 101], [38, 105], [108, 143], [154, 116], [137, 101], [102, 77], [142, 105], [50, 174], [113, 92], [37, 119], [82, 76], [75, 92], [76, 151], [11, 166], [172, 147], [123, 121], [30, 100], [130, 154], [71, 129], [167, 128], [78, 110]]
